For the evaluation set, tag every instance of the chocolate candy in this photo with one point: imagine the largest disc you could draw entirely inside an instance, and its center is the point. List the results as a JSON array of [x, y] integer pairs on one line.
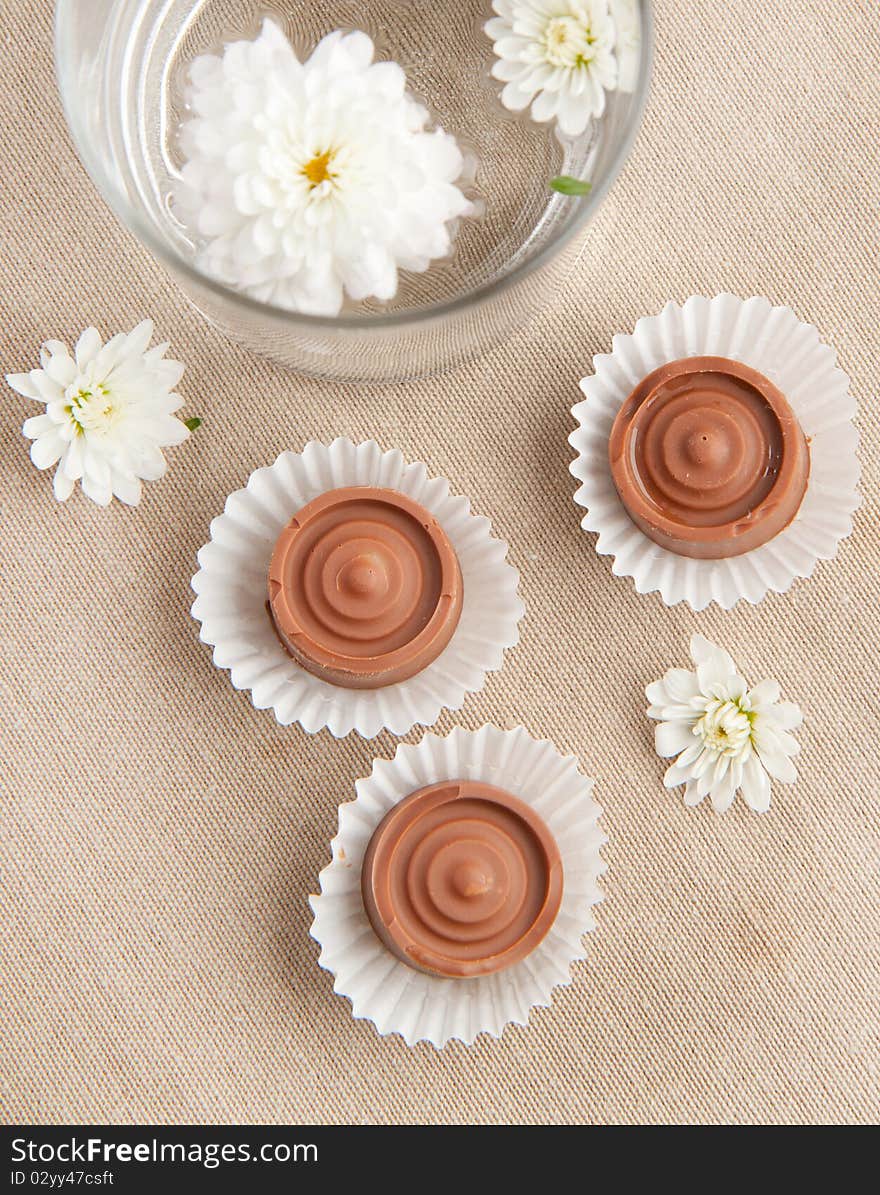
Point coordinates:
[[708, 458], [365, 589], [462, 879]]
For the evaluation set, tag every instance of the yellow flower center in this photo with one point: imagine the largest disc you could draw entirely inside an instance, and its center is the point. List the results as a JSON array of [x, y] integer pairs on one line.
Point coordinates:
[[318, 170], [568, 43], [93, 410], [724, 728]]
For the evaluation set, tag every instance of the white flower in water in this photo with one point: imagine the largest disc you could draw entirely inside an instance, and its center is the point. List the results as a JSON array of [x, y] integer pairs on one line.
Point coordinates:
[[557, 55], [627, 42], [726, 736], [307, 182], [109, 413]]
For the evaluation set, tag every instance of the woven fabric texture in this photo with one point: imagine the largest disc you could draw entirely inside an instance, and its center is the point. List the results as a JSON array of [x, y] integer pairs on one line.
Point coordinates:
[[160, 837]]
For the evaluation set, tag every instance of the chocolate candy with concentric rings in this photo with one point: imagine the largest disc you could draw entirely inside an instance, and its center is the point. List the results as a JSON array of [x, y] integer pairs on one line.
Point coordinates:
[[462, 879], [365, 589], [708, 458]]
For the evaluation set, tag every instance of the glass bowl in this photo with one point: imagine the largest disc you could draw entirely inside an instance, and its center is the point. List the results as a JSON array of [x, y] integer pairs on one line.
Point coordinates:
[[121, 71]]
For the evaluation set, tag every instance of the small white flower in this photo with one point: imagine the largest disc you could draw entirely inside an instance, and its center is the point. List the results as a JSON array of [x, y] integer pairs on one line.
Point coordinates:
[[557, 55], [307, 182], [109, 413], [726, 736]]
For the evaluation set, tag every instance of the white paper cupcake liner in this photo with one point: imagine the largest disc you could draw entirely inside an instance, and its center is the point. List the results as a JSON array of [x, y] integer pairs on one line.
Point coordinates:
[[232, 591], [398, 999], [788, 352]]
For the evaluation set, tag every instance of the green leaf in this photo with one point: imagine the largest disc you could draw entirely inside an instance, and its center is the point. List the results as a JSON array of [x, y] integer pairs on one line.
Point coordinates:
[[566, 185], [193, 423]]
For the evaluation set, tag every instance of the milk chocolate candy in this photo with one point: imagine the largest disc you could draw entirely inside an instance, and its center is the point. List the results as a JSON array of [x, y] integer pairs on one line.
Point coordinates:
[[708, 458], [365, 589], [462, 879]]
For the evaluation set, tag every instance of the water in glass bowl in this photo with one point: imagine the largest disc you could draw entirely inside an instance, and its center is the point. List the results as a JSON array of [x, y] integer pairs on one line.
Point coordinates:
[[123, 70], [447, 57]]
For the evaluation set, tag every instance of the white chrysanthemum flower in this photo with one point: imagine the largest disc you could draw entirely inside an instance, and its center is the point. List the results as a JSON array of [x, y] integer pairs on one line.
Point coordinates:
[[726, 736], [109, 413], [557, 55], [304, 182]]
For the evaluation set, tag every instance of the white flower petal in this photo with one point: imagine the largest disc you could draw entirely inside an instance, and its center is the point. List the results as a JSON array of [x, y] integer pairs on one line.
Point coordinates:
[[62, 485], [721, 769], [704, 783], [756, 785], [681, 684], [59, 364], [137, 341], [763, 694], [714, 665], [512, 47], [23, 384], [96, 466], [704, 652], [171, 432], [389, 79], [48, 390], [73, 463], [37, 426], [100, 492], [58, 413], [772, 755], [722, 794], [736, 770], [546, 105], [126, 487], [359, 49], [672, 738], [110, 354], [733, 687], [47, 450], [508, 72], [497, 27], [171, 372], [516, 98], [574, 115], [682, 770], [151, 464], [691, 753], [692, 794], [703, 764], [786, 715], [675, 713], [53, 348], [87, 347], [779, 739]]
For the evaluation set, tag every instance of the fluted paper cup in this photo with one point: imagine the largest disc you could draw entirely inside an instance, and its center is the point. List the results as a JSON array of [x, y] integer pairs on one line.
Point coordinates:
[[232, 591], [419, 1006], [791, 354]]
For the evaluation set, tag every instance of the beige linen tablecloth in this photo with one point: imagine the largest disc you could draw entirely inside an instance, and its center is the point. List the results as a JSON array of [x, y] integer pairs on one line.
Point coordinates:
[[160, 837]]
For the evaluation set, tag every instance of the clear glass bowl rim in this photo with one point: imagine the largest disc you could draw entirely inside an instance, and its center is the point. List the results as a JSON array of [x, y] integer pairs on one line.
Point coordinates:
[[400, 320]]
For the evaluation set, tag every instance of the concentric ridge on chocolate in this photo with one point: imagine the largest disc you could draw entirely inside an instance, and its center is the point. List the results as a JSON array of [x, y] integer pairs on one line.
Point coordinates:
[[365, 589], [708, 458], [462, 879]]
